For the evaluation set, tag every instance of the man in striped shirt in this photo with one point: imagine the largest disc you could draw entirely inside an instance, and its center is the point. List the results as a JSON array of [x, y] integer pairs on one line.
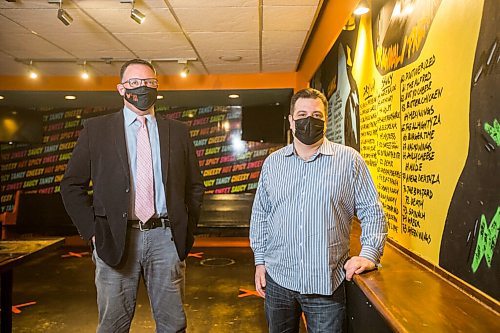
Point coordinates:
[[308, 194]]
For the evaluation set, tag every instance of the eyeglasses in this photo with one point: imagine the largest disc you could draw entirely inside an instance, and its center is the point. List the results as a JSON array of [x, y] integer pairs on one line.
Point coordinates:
[[134, 82]]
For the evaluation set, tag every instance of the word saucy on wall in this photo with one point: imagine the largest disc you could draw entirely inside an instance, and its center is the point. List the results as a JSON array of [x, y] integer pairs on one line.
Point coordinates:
[[228, 164]]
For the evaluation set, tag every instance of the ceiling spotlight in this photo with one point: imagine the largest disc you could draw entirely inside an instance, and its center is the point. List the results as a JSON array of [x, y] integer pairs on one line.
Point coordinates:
[[85, 73], [362, 8], [185, 69], [64, 15], [32, 72], [70, 97], [233, 96], [1, 97], [159, 97], [136, 15]]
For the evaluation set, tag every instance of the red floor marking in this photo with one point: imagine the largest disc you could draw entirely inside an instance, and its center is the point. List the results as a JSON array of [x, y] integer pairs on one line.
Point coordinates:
[[75, 254], [246, 292], [15, 308], [198, 255]]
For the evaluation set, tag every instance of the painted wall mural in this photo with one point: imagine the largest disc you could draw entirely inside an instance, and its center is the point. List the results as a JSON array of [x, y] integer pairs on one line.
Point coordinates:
[[228, 164], [424, 77]]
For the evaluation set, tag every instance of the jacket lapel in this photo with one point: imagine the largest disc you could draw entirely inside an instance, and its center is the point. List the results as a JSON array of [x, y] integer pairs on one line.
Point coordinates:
[[118, 127], [164, 135]]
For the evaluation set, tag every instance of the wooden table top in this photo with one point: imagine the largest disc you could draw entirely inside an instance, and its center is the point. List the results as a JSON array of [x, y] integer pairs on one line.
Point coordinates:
[[15, 252]]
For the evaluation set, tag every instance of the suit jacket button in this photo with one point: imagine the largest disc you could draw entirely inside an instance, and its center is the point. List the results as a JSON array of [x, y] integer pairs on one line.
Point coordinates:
[[124, 214], [127, 190]]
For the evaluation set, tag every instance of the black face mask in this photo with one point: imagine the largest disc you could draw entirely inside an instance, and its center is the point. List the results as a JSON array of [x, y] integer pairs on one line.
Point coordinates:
[[309, 130], [142, 97]]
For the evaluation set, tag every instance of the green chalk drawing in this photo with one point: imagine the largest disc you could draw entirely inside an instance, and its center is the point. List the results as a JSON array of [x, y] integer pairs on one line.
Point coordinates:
[[493, 131], [487, 240]]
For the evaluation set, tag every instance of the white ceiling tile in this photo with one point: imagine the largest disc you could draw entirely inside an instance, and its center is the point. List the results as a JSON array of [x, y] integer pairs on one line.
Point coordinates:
[[103, 54], [29, 46], [45, 20], [290, 2], [117, 4], [8, 26], [234, 68], [166, 53], [85, 41], [112, 69], [173, 68], [297, 17], [119, 21], [282, 39], [225, 40], [279, 67], [33, 4], [213, 3], [213, 56], [277, 55], [154, 41], [8, 66], [227, 19]]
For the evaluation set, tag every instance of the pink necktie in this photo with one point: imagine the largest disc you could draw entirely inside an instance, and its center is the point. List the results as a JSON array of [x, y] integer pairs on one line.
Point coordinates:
[[144, 188]]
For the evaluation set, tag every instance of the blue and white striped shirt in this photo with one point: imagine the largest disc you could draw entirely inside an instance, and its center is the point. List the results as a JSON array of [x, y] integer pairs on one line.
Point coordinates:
[[302, 213]]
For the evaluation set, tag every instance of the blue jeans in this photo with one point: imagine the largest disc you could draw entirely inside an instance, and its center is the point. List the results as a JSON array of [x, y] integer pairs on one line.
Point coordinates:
[[151, 254], [284, 307]]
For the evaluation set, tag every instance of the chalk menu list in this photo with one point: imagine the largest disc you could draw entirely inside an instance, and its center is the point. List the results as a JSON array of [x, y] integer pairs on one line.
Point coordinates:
[[419, 120]]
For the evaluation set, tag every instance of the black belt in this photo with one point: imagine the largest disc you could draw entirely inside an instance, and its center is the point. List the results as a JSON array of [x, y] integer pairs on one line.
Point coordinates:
[[152, 223]]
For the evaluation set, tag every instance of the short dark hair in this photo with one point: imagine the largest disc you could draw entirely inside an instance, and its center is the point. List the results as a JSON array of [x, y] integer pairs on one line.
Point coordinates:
[[308, 93], [135, 62]]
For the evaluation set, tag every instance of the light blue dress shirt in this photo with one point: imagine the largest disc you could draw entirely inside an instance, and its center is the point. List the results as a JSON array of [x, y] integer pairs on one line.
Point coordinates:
[[131, 127], [302, 213]]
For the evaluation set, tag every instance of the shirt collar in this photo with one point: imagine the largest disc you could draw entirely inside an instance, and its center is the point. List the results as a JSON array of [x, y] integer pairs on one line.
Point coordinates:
[[326, 148], [131, 116]]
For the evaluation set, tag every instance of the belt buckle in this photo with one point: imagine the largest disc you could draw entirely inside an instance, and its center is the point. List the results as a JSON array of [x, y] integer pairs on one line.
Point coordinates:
[[141, 228]]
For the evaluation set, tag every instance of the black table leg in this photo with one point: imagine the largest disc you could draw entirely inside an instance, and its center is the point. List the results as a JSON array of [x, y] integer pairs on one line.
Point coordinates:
[[6, 301]]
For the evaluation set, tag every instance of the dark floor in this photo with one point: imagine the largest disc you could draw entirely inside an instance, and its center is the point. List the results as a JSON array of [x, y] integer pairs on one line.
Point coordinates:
[[65, 294]]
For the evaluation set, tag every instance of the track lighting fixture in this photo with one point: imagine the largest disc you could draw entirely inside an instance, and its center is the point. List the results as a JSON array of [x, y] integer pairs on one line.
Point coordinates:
[[185, 70], [63, 15], [85, 74], [33, 74], [83, 65], [135, 14]]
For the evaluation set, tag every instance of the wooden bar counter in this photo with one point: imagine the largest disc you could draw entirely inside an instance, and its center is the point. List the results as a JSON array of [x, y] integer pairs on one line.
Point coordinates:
[[412, 298]]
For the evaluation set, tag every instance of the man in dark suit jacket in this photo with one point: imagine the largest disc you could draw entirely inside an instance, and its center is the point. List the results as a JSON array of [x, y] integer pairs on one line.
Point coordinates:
[[126, 246]]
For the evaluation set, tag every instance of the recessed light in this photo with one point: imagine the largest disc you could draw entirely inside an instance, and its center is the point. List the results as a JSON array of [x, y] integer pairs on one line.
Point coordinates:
[[230, 58], [14, 112], [234, 96], [70, 97], [159, 97], [1, 97], [361, 10]]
